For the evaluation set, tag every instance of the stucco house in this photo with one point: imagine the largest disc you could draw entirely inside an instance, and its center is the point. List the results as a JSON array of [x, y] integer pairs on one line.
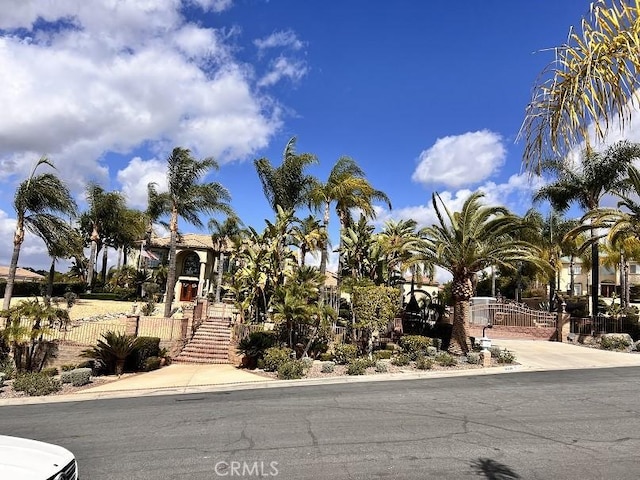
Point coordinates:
[[197, 261]]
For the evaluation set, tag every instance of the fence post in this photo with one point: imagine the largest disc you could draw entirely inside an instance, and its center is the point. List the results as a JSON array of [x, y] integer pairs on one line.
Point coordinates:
[[563, 326], [184, 328], [133, 322]]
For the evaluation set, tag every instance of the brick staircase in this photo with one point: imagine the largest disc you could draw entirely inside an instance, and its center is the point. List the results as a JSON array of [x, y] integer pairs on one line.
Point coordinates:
[[210, 343]]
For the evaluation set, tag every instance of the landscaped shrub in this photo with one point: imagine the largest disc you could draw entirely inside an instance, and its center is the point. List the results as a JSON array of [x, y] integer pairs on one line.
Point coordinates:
[[67, 367], [473, 358], [51, 371], [326, 357], [8, 368], [414, 345], [151, 363], [36, 384], [112, 351], [328, 367], [357, 366], [432, 351], [506, 356], [274, 357], [446, 360], [424, 363], [400, 360], [381, 367], [254, 346], [145, 347], [344, 353], [615, 342], [291, 370], [307, 362], [382, 355]]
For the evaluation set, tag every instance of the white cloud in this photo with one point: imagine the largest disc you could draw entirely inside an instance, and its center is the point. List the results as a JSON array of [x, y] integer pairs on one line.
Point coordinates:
[[135, 177], [283, 38], [461, 159], [108, 79], [33, 252], [283, 68]]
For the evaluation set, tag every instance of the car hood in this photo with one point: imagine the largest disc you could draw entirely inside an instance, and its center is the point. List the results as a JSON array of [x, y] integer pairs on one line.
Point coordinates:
[[30, 459]]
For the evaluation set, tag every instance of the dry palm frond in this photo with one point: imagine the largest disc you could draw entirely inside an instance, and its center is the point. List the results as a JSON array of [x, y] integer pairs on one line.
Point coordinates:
[[593, 80]]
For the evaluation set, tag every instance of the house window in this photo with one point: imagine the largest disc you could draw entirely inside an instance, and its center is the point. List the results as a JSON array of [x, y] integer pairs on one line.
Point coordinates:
[[577, 289], [191, 265], [577, 269], [633, 268]]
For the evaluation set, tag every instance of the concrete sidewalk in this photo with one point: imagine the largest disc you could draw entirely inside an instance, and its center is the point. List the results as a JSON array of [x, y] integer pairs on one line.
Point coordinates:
[[531, 355], [540, 355]]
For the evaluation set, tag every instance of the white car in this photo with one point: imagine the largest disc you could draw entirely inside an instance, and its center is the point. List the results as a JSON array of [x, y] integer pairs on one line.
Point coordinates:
[[23, 459]]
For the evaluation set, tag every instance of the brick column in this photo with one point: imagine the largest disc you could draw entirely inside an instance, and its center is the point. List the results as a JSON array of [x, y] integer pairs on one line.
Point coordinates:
[[132, 325], [563, 326]]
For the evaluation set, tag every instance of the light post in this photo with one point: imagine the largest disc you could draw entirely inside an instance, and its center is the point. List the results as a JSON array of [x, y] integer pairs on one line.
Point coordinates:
[[485, 343]]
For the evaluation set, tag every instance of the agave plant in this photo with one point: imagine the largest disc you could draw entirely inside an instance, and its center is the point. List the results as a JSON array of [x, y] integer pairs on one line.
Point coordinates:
[[113, 350]]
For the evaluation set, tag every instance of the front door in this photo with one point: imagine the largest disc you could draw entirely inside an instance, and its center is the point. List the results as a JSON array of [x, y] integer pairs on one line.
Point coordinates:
[[188, 291]]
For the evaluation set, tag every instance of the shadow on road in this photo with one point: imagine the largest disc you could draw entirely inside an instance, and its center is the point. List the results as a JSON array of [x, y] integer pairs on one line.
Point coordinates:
[[493, 470]]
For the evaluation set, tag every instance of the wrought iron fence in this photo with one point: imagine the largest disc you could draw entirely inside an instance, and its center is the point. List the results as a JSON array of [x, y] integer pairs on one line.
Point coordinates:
[[602, 324], [511, 314]]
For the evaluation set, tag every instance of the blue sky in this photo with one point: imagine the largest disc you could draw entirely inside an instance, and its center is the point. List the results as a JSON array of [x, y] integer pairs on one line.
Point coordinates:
[[425, 96]]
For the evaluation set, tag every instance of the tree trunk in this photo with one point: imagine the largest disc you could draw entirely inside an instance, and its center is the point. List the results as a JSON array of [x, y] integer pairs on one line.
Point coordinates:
[[52, 271], [462, 290], [119, 264], [595, 277], [324, 254], [171, 274], [220, 273], [105, 257], [8, 291], [627, 290], [92, 257]]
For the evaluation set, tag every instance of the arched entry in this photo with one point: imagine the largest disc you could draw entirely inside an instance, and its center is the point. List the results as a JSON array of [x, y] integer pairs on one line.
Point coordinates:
[[188, 290]]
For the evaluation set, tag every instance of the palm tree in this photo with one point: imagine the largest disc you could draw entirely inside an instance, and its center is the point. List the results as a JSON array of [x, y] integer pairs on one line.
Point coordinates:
[[549, 234], [64, 243], [221, 232], [309, 236], [348, 188], [37, 202], [467, 242], [186, 198], [286, 185], [360, 251], [398, 243], [591, 82], [586, 184], [100, 222]]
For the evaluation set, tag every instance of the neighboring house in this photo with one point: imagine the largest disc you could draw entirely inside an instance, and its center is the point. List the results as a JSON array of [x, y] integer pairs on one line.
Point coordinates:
[[196, 263], [22, 275], [609, 278]]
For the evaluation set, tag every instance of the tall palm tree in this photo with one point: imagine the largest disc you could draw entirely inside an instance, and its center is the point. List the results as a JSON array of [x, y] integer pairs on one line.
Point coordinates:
[[586, 184], [64, 243], [100, 222], [348, 188], [360, 251], [288, 184], [399, 242], [467, 242], [38, 203], [308, 236], [222, 232], [186, 199], [549, 234], [592, 81]]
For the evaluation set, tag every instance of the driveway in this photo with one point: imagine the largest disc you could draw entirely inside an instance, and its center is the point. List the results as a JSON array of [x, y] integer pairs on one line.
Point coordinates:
[[540, 355]]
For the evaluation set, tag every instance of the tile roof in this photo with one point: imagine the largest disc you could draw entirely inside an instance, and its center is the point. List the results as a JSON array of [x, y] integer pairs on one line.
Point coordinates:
[[22, 275], [187, 240]]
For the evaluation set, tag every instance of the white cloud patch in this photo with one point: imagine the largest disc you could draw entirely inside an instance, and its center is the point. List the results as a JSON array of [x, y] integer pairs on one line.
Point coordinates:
[[135, 177], [461, 159], [283, 38], [33, 252], [283, 67], [114, 76]]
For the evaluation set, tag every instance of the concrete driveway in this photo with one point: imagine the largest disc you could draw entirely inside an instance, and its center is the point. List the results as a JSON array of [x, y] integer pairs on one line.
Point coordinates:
[[540, 355]]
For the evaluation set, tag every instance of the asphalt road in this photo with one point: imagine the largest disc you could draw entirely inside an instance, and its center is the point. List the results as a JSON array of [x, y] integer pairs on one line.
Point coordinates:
[[582, 424]]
